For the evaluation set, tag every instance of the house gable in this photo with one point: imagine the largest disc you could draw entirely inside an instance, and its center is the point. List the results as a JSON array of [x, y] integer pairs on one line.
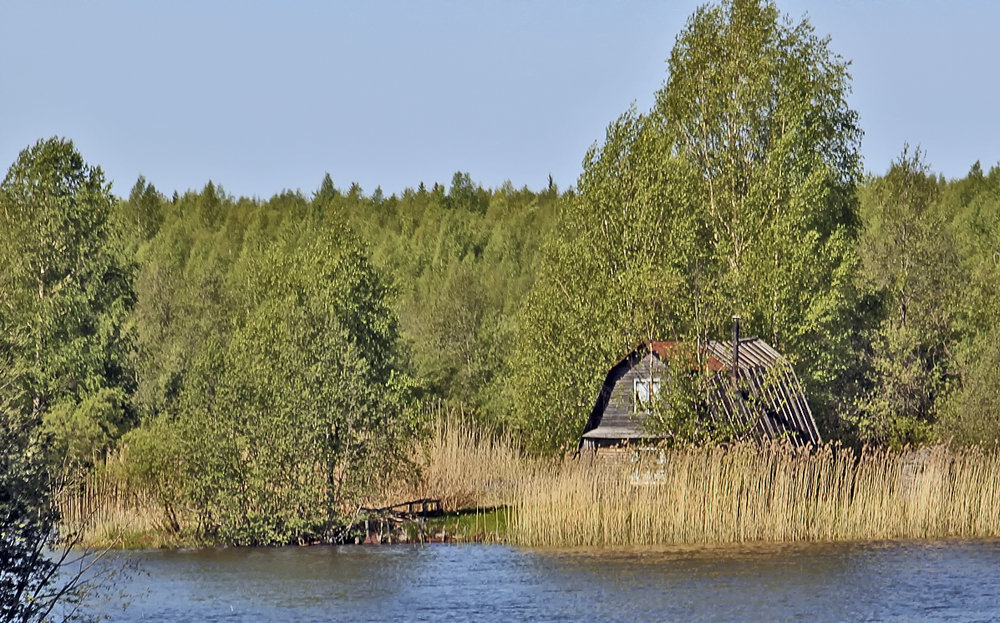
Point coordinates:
[[614, 415]]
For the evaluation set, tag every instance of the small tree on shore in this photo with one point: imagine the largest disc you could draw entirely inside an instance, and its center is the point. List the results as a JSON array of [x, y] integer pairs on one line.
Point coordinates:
[[38, 577]]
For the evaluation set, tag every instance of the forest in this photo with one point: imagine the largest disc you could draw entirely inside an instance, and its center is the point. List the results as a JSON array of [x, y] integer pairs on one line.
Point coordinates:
[[267, 362]]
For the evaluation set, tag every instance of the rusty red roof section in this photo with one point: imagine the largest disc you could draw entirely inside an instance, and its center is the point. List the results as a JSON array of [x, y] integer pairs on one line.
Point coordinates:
[[666, 349], [663, 349]]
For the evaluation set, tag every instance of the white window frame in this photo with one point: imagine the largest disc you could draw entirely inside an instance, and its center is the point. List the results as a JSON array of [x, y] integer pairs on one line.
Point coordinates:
[[643, 390]]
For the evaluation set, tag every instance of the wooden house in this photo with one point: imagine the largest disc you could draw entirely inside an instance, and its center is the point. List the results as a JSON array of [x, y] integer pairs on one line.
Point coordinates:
[[750, 384]]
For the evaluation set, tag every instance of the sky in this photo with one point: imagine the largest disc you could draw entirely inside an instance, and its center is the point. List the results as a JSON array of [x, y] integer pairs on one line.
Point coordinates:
[[265, 96]]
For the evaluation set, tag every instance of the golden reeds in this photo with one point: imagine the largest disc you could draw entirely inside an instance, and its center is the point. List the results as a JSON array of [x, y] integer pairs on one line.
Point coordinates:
[[104, 511], [465, 467], [762, 493]]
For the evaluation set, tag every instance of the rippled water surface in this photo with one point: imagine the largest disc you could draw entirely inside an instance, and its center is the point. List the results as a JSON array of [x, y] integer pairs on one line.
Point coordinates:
[[908, 581]]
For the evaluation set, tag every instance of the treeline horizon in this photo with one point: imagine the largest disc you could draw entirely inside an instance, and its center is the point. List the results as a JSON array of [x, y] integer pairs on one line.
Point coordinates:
[[264, 364]]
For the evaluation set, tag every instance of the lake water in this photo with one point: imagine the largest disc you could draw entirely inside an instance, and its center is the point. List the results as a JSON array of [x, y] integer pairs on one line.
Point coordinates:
[[896, 581]]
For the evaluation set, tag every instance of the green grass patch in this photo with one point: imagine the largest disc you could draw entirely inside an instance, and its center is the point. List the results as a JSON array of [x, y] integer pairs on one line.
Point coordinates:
[[489, 525]]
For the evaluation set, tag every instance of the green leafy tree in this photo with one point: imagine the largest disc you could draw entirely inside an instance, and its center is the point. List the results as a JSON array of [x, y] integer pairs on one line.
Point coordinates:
[[290, 406], [969, 414], [757, 105], [65, 292], [609, 278], [39, 571], [139, 217], [679, 412], [909, 261], [466, 195], [735, 194], [182, 301], [460, 264], [971, 209]]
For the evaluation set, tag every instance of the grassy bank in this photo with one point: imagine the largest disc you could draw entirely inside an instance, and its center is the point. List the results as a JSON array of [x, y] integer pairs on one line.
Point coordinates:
[[693, 495], [471, 525]]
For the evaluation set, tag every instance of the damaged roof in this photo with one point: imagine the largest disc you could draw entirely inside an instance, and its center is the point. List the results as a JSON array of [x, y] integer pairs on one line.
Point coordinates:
[[767, 402]]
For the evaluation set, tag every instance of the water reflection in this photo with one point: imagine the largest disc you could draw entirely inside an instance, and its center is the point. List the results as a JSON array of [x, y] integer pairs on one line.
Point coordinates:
[[909, 581]]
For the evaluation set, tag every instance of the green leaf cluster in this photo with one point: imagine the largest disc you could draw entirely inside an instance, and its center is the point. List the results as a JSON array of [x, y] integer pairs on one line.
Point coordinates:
[[929, 271]]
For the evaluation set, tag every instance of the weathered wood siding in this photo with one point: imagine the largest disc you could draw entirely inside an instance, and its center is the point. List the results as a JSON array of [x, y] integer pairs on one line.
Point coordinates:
[[620, 411]]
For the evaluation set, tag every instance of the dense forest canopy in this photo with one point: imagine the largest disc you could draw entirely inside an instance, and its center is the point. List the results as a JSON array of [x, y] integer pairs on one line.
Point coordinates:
[[263, 361]]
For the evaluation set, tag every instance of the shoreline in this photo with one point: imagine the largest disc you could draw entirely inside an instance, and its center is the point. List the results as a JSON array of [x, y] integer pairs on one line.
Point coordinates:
[[459, 540], [692, 495], [460, 526]]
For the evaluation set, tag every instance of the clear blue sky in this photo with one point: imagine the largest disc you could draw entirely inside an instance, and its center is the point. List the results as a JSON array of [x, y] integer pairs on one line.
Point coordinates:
[[265, 96]]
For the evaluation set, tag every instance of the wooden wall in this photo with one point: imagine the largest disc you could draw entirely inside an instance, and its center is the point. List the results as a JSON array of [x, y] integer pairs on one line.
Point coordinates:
[[619, 411]]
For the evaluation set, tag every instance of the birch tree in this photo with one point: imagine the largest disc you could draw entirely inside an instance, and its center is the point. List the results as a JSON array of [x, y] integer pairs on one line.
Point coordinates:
[[65, 291], [735, 194]]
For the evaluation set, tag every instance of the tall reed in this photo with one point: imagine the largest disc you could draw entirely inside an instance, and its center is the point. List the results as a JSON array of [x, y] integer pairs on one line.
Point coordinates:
[[761, 493], [103, 510], [466, 467]]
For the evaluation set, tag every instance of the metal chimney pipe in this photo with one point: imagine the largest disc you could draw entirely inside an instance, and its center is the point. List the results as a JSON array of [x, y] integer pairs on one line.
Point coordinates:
[[736, 349]]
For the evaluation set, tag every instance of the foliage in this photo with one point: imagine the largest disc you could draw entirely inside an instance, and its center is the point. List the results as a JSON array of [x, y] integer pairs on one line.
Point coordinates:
[[139, 217], [460, 264], [970, 209], [757, 105], [281, 354], [909, 263], [78, 432], [681, 411], [303, 414], [734, 194], [35, 578], [969, 415], [273, 365], [275, 384], [154, 462], [65, 379], [64, 293]]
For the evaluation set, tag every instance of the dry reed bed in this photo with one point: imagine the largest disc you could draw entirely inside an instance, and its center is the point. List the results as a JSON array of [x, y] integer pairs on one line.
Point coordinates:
[[465, 467], [102, 510], [754, 493], [692, 495]]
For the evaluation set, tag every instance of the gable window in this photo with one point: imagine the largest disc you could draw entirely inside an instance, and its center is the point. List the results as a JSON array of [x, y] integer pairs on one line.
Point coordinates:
[[643, 391]]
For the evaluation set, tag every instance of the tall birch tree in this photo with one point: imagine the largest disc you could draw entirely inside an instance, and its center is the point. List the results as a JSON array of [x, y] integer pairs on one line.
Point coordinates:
[[735, 194]]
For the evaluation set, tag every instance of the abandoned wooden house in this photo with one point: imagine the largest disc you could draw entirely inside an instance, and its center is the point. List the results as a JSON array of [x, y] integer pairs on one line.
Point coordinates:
[[749, 383]]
